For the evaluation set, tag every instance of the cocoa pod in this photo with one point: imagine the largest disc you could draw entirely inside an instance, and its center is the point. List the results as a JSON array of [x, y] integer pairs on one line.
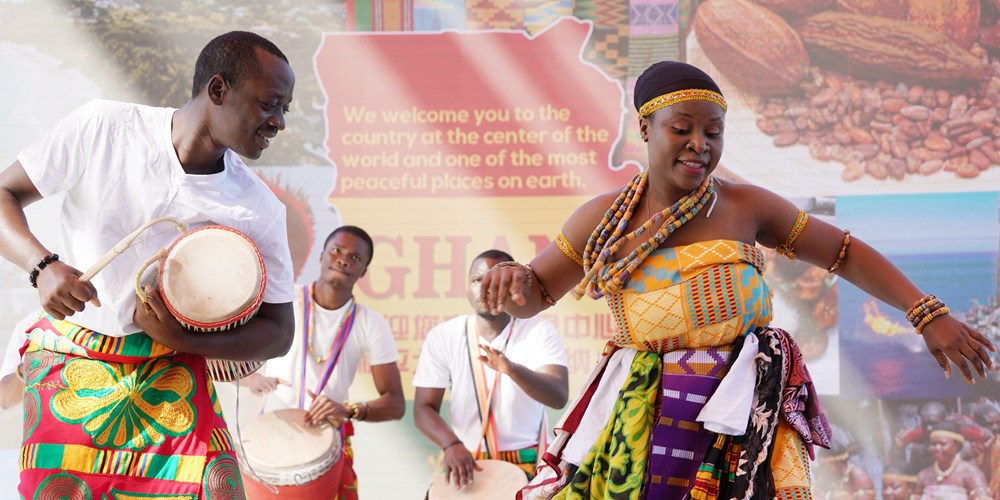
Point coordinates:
[[956, 19], [990, 36], [876, 47], [892, 9], [794, 9], [752, 46]]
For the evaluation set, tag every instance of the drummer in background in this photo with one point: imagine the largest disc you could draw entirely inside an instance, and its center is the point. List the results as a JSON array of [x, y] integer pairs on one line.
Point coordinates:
[[12, 371], [520, 364], [333, 332], [118, 401]]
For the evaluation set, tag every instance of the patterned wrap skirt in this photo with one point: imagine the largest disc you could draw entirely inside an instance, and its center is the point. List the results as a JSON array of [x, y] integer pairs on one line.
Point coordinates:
[[634, 431], [120, 418]]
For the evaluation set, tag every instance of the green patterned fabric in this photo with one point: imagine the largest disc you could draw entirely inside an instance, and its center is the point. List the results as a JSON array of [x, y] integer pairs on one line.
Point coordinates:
[[616, 465]]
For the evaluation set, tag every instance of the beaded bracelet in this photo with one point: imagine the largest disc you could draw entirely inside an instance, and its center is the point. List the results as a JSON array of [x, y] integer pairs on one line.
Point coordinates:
[[529, 282], [924, 310], [786, 248], [541, 288], [930, 316], [920, 307], [33, 275], [353, 407], [843, 252], [532, 279], [567, 249]]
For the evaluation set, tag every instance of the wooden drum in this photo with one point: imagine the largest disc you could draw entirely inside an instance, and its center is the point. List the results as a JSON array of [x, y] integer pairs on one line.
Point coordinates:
[[300, 462], [498, 480], [212, 279]]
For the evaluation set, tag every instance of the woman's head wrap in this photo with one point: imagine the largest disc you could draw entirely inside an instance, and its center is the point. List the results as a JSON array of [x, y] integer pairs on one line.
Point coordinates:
[[670, 82]]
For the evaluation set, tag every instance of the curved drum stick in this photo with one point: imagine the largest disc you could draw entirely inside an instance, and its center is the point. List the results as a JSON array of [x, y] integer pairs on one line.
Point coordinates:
[[126, 243]]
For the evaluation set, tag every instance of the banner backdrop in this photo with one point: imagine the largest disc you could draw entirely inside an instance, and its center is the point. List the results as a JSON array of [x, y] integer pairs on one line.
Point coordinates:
[[446, 128]]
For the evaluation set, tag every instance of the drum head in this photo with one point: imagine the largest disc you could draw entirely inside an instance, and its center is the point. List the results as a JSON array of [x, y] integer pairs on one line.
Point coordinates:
[[281, 440], [211, 274], [498, 480]]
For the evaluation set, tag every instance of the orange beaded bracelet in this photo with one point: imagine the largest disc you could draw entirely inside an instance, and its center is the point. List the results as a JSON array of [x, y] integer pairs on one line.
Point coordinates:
[[843, 252]]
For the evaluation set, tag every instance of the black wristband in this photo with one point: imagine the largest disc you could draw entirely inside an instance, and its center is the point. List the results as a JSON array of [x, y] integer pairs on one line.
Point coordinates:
[[33, 275]]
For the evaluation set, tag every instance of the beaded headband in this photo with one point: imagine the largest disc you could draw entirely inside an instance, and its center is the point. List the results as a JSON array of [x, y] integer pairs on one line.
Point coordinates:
[[948, 435], [680, 96]]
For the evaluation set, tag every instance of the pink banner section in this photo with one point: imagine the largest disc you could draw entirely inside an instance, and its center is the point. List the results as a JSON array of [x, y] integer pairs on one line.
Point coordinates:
[[494, 113]]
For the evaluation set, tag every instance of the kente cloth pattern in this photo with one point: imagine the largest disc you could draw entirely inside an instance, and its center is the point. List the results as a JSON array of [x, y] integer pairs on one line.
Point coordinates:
[[679, 442], [438, 15], [539, 14], [525, 458], [695, 304], [380, 15], [494, 14], [700, 295], [120, 418], [608, 44]]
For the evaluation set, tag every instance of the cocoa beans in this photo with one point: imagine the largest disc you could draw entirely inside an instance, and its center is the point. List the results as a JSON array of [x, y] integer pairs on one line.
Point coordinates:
[[892, 9], [752, 46], [956, 19], [794, 9], [877, 47]]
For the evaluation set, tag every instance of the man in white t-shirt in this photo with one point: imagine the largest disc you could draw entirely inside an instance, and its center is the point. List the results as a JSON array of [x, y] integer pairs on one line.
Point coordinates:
[[515, 368], [118, 402], [333, 332]]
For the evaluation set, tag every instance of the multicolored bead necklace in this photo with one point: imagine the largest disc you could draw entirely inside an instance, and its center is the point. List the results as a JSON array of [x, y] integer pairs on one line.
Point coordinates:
[[604, 278]]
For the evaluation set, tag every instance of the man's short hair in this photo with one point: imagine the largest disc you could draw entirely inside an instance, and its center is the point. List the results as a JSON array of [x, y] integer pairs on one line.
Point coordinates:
[[356, 231], [234, 57], [493, 254]]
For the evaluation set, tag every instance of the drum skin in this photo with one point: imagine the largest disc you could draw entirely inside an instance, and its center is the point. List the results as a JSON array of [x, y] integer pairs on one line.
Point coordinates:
[[299, 461], [213, 278], [498, 480]]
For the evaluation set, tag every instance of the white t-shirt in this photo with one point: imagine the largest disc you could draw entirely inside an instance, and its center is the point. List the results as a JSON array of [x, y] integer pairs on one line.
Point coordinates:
[[117, 165], [12, 355], [444, 364], [370, 336]]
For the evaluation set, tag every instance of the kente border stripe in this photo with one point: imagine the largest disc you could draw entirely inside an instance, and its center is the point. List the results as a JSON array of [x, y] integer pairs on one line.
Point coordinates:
[[88, 460]]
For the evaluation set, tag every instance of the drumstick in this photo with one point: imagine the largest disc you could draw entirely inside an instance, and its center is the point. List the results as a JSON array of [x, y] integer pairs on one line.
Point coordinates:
[[125, 243]]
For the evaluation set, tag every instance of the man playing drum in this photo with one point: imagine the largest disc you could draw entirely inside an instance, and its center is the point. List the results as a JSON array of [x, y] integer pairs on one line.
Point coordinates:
[[117, 400], [333, 332], [501, 372]]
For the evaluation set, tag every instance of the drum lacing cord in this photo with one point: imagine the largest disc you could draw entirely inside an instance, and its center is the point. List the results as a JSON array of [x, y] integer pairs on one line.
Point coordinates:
[[242, 451]]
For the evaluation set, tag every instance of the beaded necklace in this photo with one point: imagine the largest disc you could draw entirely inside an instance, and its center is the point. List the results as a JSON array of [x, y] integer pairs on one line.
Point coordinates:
[[602, 277], [940, 475], [329, 360]]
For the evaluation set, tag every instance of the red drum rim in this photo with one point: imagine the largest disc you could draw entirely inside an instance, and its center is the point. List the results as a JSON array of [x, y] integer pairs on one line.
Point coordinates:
[[236, 318]]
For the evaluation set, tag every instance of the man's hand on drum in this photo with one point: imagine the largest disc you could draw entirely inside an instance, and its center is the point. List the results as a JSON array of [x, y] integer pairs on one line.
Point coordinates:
[[323, 408], [156, 320], [61, 294], [459, 465], [503, 284], [495, 359], [262, 384]]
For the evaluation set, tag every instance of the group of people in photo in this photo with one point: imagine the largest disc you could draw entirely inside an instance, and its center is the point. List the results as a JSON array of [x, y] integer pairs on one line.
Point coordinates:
[[696, 395]]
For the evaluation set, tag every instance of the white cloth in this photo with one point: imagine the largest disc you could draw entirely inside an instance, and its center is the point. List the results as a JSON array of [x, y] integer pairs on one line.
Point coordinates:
[[117, 165], [728, 410], [596, 417], [12, 355], [370, 336], [444, 364]]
